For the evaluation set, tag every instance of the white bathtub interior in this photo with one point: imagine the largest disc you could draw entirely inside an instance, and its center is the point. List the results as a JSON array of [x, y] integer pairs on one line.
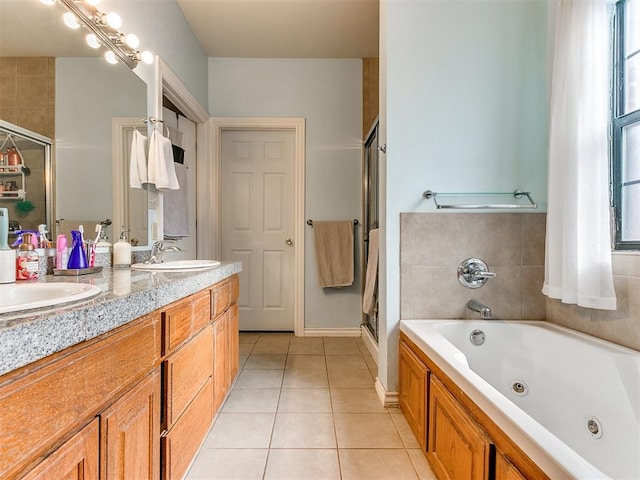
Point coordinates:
[[583, 390]]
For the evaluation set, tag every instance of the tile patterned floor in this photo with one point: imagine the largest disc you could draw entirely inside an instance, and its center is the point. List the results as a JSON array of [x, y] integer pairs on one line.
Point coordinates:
[[306, 409]]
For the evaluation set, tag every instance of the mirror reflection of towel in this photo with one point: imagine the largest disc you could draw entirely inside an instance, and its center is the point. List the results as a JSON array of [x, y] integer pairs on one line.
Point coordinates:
[[138, 160], [334, 253], [176, 207]]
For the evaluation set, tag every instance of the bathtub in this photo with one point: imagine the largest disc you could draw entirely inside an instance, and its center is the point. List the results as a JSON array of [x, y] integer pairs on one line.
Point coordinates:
[[570, 401]]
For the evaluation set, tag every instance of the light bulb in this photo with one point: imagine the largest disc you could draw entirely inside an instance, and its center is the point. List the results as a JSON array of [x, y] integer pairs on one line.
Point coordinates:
[[110, 57], [147, 57], [71, 21], [48, 2], [93, 41], [113, 20], [132, 41]]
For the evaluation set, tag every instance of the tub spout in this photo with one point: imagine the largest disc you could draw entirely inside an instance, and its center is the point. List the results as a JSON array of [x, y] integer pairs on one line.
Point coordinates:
[[476, 306]]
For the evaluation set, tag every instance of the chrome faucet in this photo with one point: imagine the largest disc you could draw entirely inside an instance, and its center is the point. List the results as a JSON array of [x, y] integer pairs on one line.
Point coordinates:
[[158, 250], [483, 310]]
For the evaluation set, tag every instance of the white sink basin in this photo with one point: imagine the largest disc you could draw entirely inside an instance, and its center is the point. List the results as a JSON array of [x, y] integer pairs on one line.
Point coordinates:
[[25, 296], [177, 266]]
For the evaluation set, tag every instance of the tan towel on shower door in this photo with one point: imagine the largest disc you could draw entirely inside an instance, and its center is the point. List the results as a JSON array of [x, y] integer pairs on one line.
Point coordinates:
[[334, 253], [368, 298]]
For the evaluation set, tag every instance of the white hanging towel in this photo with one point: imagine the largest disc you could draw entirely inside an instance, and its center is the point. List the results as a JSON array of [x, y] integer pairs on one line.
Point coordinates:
[[161, 171], [371, 277], [138, 160]]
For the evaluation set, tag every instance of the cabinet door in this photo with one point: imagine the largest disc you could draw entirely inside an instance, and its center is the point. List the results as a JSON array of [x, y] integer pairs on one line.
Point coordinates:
[[220, 361], [412, 392], [76, 459], [457, 448], [130, 438], [233, 343], [182, 442], [506, 471]]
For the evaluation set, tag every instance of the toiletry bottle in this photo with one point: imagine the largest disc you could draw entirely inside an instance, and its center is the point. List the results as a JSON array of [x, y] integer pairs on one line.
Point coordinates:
[[62, 256], [122, 251], [7, 256], [27, 260], [77, 257]]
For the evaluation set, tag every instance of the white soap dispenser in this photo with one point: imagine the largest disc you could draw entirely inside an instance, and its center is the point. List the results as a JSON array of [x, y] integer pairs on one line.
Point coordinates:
[[122, 251]]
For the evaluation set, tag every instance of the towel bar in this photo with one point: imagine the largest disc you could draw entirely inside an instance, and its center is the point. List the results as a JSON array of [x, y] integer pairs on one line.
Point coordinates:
[[310, 222]]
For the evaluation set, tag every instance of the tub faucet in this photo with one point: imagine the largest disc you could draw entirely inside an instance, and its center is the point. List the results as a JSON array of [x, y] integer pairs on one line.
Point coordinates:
[[158, 250], [476, 306]]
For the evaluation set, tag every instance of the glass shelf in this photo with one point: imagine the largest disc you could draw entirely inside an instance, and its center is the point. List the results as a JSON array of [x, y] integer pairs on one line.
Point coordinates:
[[485, 200]]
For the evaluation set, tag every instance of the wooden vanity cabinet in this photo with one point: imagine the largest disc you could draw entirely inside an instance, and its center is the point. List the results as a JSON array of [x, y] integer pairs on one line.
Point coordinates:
[[201, 337], [134, 403], [505, 470], [413, 381], [458, 449], [462, 442], [130, 433], [77, 459]]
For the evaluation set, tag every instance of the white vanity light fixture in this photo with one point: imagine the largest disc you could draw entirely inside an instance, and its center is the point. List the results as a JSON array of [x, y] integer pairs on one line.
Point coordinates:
[[104, 32], [71, 21], [110, 57], [93, 41]]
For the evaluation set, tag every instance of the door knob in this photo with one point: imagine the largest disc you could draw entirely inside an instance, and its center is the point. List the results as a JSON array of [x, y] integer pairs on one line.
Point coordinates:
[[288, 241]]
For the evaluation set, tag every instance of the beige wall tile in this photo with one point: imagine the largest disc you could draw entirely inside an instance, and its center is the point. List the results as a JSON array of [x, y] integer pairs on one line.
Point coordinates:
[[533, 237], [406, 239], [8, 66], [8, 91], [626, 264], [448, 239], [9, 113], [31, 91], [429, 286], [32, 66], [534, 303]]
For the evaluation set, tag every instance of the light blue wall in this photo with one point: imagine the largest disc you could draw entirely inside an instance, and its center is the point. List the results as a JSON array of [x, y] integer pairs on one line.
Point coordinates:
[[163, 29], [465, 112], [328, 94]]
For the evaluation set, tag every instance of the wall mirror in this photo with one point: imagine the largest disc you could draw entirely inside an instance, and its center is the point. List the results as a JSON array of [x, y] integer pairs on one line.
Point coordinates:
[[55, 85]]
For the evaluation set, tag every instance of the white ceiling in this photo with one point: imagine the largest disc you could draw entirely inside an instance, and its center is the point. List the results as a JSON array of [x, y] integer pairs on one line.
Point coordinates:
[[285, 28]]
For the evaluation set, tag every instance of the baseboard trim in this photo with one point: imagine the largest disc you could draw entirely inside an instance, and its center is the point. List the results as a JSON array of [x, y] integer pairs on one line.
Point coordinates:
[[332, 332], [370, 343], [388, 399]]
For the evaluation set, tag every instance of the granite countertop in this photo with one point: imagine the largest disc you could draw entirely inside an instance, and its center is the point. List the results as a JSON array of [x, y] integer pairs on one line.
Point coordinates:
[[30, 335]]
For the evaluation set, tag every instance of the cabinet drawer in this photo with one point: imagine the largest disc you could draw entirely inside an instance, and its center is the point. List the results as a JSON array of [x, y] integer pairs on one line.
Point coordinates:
[[220, 298], [186, 371], [184, 318], [181, 443]]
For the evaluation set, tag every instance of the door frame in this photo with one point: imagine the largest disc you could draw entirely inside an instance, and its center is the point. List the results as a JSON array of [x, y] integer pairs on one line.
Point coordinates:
[[169, 85], [298, 126]]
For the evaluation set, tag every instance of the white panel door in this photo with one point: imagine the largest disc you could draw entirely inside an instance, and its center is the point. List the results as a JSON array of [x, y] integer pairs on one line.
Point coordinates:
[[257, 208]]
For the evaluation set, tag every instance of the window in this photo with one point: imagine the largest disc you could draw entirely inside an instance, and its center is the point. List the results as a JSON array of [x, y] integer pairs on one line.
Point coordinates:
[[625, 165]]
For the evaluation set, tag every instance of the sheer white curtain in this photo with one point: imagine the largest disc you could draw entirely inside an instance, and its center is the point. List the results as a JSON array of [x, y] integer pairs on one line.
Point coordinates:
[[578, 247]]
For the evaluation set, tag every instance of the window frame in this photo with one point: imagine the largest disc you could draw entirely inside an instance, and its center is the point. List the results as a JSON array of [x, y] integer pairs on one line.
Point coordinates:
[[619, 121]]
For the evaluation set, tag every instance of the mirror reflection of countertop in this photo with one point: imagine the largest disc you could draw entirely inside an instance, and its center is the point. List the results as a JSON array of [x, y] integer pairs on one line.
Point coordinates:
[[27, 336]]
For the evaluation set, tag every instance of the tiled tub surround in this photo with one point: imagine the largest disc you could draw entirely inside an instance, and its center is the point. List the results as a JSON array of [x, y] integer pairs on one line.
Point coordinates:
[[432, 245], [126, 295], [621, 326]]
